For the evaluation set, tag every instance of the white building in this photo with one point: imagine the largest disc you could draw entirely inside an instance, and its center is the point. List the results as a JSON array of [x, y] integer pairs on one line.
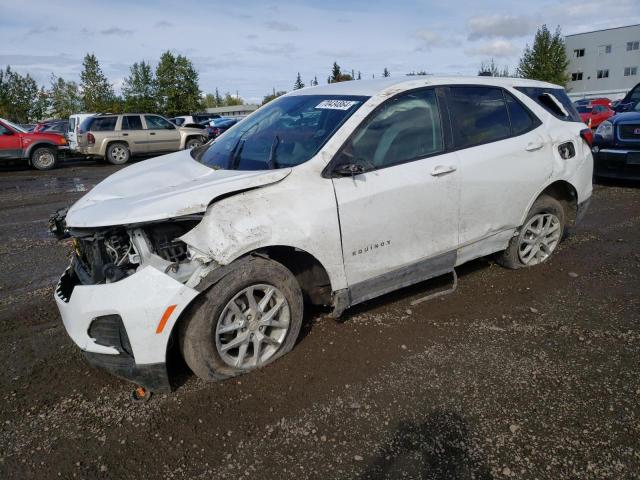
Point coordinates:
[[603, 63], [235, 111]]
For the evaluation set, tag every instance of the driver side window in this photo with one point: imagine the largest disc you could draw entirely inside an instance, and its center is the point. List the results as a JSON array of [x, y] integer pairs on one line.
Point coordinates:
[[3, 130], [157, 123], [405, 128]]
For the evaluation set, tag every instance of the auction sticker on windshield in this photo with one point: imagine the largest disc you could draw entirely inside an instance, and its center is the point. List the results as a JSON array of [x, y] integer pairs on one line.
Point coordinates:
[[337, 104]]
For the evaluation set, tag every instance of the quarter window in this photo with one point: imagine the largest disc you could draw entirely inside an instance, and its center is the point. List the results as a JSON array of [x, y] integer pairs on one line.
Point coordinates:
[[479, 115], [157, 123], [131, 122], [103, 124], [521, 120], [405, 128]]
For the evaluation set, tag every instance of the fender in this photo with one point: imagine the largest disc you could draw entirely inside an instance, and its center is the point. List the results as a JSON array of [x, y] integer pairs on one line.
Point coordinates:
[[26, 153]]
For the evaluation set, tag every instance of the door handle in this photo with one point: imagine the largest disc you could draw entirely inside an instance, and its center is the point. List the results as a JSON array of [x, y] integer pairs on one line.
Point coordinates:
[[533, 146], [152, 133], [442, 170], [125, 134]]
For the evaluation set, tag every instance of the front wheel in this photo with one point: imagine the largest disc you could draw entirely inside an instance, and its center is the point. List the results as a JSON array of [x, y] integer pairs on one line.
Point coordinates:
[[251, 317], [44, 158], [193, 143], [539, 236]]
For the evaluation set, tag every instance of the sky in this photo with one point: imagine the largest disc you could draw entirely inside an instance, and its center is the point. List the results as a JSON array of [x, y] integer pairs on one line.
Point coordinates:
[[253, 46]]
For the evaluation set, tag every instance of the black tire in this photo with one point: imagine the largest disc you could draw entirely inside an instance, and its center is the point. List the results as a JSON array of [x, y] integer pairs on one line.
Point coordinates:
[[44, 158], [193, 142], [510, 258], [197, 332], [118, 153]]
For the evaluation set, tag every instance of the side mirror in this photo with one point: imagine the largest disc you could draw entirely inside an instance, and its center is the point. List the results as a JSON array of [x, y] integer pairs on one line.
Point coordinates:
[[349, 170]]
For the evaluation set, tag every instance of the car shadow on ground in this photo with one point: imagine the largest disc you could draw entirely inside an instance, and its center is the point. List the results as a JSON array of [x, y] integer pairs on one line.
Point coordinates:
[[616, 182], [439, 448]]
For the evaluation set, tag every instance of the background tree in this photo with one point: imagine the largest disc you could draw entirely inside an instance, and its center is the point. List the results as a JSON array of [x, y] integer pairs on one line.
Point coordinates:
[[490, 69], [273, 96], [177, 85], [359, 77], [140, 89], [314, 83], [337, 75], [547, 59], [19, 97], [299, 84], [41, 108], [229, 100], [97, 92], [385, 72], [65, 97], [419, 72]]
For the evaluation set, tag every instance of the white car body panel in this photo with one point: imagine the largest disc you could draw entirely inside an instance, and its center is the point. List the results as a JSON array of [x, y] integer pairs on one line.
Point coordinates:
[[164, 187], [72, 135], [473, 210]]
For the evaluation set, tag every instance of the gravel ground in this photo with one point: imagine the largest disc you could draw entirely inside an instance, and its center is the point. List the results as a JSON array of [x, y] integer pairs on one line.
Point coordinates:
[[519, 374]]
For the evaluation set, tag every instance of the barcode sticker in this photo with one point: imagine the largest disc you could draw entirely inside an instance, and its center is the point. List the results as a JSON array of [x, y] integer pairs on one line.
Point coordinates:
[[336, 104]]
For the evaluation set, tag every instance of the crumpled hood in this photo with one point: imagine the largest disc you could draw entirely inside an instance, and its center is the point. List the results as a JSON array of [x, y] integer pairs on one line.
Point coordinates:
[[164, 187]]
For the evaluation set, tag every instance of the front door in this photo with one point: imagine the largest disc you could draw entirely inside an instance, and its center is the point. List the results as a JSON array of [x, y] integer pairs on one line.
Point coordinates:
[[132, 132], [399, 218], [162, 135], [10, 145]]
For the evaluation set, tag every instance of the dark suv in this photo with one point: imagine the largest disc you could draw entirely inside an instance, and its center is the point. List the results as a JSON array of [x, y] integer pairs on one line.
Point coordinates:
[[616, 146]]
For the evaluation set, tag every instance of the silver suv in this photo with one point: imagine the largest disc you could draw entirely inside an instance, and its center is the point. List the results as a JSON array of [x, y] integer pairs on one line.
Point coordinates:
[[117, 137]]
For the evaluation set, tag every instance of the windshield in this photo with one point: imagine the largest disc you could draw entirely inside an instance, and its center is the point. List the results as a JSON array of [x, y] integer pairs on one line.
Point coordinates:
[[14, 126], [286, 132], [582, 109]]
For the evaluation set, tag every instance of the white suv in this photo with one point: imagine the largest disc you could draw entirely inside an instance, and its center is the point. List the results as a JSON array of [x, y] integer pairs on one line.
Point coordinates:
[[331, 195]]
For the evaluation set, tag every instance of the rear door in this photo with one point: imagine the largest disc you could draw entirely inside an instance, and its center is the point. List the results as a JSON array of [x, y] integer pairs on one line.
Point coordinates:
[[134, 134], [504, 159], [398, 219]]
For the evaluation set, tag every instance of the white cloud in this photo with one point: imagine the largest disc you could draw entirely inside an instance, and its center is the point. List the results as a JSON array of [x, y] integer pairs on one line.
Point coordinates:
[[507, 26], [497, 48], [429, 39], [281, 26]]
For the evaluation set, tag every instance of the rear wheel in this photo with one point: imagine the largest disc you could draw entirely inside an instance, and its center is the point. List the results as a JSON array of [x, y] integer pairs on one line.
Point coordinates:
[[44, 158], [251, 317], [118, 154], [539, 236]]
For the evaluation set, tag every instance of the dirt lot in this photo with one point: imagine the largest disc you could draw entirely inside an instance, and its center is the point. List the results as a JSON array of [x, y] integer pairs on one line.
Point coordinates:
[[524, 374]]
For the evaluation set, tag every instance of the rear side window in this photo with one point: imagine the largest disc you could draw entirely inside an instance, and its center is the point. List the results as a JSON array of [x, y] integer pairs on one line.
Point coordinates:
[[102, 124], [131, 122], [521, 119], [549, 98], [479, 115], [405, 128], [157, 123], [72, 123]]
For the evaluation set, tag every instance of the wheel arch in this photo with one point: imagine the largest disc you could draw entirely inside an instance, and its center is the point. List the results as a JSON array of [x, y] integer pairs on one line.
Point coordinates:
[[565, 193], [40, 143]]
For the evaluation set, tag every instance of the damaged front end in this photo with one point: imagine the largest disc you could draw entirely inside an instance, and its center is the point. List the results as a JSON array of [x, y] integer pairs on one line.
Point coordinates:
[[124, 290]]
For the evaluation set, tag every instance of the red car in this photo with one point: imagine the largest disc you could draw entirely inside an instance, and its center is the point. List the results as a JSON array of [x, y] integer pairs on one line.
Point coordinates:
[[595, 115], [40, 149]]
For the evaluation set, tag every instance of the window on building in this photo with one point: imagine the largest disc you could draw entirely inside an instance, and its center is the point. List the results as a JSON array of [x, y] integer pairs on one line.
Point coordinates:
[[604, 49], [575, 77], [633, 45], [630, 71], [603, 73], [579, 52]]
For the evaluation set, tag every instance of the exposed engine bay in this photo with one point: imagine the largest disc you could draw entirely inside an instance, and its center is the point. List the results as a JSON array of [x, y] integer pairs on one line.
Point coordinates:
[[109, 254]]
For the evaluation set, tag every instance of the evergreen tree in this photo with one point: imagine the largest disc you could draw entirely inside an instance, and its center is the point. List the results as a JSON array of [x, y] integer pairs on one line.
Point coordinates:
[[229, 100], [42, 105], [336, 73], [177, 85], [359, 76], [490, 69], [419, 72], [18, 97], [547, 59], [299, 84], [97, 92], [315, 81], [218, 98], [140, 89], [65, 97], [385, 72]]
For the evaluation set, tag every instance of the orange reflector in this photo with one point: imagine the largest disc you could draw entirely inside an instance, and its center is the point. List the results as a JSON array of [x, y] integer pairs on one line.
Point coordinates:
[[165, 317]]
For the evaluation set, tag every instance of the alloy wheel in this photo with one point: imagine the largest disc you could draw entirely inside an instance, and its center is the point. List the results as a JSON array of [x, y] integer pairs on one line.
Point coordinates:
[[539, 238]]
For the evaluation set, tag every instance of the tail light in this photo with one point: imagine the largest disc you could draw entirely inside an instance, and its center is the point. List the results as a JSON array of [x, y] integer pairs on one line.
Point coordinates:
[[587, 136], [92, 140]]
